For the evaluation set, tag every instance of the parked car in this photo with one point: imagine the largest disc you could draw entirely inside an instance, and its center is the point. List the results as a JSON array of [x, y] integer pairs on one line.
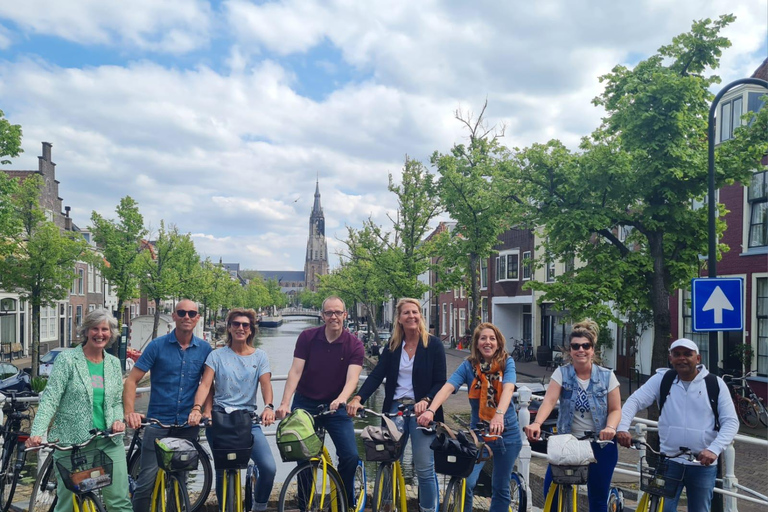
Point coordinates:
[[13, 379], [384, 337], [46, 362]]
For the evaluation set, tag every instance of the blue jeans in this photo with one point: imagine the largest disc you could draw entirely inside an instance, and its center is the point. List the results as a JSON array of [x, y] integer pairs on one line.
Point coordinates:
[[146, 480], [339, 426], [699, 482], [423, 462], [505, 452], [261, 455], [600, 474]]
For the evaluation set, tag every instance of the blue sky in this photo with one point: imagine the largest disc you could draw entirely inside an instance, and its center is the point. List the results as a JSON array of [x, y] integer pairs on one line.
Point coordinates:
[[218, 116]]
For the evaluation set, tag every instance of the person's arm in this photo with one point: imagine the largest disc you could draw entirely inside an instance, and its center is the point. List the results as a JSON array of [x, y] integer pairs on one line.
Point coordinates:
[[729, 426], [132, 418], [425, 418], [505, 402], [371, 383], [268, 416], [533, 431], [614, 415], [294, 374], [353, 377], [201, 395]]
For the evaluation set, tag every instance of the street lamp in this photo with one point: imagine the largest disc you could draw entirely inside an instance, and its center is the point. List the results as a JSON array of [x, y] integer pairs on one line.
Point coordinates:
[[712, 263], [7, 307]]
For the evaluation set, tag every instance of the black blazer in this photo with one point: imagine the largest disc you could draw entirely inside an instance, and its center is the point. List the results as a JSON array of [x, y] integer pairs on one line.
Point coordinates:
[[428, 373]]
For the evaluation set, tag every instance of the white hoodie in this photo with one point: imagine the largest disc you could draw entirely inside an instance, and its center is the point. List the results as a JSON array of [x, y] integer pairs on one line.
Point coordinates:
[[687, 418]]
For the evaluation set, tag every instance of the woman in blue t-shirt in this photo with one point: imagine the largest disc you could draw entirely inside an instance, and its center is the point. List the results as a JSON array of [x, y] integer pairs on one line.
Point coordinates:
[[238, 369], [489, 372]]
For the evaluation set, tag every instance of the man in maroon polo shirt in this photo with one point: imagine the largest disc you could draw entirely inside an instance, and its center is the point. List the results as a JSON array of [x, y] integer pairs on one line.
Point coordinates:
[[326, 367]]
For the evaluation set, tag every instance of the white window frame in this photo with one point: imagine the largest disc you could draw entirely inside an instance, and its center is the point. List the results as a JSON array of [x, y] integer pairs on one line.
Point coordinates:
[[444, 320], [483, 274], [462, 322], [91, 280], [48, 322], [551, 271], [733, 119], [756, 199], [508, 260], [527, 266]]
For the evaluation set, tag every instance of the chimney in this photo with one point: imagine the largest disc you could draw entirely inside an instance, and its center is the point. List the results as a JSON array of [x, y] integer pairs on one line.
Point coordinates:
[[66, 211], [47, 151]]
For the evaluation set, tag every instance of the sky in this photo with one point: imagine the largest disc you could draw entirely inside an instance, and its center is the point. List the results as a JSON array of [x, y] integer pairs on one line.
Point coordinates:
[[219, 116]]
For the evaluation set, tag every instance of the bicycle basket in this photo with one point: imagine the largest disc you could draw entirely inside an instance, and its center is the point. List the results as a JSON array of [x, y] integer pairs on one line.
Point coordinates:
[[85, 470], [231, 458], [296, 437], [570, 475], [174, 454], [655, 481], [455, 454], [382, 444]]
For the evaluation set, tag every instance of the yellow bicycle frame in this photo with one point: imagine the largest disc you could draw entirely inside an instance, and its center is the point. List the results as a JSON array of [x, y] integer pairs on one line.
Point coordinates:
[[644, 505], [553, 488], [85, 508], [157, 491], [238, 491]]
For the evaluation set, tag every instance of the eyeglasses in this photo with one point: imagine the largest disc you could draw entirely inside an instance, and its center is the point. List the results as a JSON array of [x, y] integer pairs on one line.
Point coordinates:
[[244, 325], [329, 314], [181, 313], [585, 346]]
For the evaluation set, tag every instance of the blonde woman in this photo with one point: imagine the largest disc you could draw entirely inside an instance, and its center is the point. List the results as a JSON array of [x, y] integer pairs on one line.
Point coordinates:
[[414, 365], [590, 400]]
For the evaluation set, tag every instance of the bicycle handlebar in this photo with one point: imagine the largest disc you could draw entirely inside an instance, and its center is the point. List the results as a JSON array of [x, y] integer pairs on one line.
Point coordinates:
[[684, 451], [95, 434]]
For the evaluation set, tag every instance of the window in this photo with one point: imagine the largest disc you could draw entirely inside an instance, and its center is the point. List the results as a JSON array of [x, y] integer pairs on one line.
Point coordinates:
[[762, 325], [47, 322], [757, 197], [730, 117], [8, 322], [443, 319], [700, 338], [527, 265], [97, 281], [79, 281], [484, 308], [78, 316], [483, 274], [462, 322], [550, 270], [91, 281], [508, 266], [570, 264]]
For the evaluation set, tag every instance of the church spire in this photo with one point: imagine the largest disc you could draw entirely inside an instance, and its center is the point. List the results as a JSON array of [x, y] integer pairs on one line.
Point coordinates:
[[316, 261], [316, 208]]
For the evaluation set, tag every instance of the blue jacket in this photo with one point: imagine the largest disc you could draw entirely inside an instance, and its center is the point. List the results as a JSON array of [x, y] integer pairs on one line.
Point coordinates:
[[428, 373], [597, 393]]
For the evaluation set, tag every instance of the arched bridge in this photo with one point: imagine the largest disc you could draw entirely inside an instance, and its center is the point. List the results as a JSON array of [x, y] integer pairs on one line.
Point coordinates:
[[300, 312]]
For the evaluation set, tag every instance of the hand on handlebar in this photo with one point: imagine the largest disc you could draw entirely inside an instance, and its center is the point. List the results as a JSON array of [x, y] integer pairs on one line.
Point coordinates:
[[133, 420], [33, 441], [533, 431], [353, 407], [624, 438]]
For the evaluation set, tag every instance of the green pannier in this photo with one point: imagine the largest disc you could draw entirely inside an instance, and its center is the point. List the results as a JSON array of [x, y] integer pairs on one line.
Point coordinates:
[[296, 437], [174, 454]]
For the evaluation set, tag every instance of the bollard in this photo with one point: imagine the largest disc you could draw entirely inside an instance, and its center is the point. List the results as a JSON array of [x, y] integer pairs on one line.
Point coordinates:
[[730, 481], [524, 418]]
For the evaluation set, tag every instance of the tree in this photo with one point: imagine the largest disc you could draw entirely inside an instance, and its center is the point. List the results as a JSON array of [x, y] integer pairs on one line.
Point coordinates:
[[10, 139], [623, 205], [121, 243], [215, 289], [40, 258], [468, 190], [165, 267]]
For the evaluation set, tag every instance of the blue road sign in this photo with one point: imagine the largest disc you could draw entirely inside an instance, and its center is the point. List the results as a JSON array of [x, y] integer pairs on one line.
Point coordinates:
[[717, 304]]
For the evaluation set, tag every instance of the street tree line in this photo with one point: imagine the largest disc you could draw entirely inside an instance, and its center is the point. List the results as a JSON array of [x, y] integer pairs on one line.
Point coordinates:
[[621, 205]]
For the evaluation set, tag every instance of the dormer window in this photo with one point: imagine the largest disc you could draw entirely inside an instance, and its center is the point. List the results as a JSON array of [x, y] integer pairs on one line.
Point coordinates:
[[730, 117]]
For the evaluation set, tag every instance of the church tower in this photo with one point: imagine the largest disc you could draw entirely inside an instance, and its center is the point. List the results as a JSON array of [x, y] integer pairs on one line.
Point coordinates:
[[316, 262]]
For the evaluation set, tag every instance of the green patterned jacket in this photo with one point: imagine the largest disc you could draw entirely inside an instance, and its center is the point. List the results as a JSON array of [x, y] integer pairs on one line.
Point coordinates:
[[68, 398]]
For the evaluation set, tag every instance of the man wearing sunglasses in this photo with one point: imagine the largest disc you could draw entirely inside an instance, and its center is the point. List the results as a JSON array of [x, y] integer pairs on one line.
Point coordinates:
[[175, 362], [326, 367]]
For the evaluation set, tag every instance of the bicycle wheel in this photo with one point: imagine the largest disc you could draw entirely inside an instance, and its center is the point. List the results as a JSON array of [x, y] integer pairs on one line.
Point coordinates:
[[359, 490], [518, 494], [176, 498], [43, 497], [615, 500], [748, 412], [251, 475], [9, 476], [454, 495], [198, 481], [90, 503], [384, 499], [763, 413], [516, 354], [309, 488]]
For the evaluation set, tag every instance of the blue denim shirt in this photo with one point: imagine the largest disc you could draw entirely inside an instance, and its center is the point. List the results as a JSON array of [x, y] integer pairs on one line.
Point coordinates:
[[175, 375], [597, 393]]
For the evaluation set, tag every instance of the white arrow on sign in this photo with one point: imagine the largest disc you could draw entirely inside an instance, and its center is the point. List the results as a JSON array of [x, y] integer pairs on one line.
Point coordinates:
[[718, 302]]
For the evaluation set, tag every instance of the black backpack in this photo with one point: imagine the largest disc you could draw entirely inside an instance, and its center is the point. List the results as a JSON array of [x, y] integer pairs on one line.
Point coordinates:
[[713, 391]]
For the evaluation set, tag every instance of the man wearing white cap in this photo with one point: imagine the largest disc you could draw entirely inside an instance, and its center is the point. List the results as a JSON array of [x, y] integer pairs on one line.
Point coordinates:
[[696, 412]]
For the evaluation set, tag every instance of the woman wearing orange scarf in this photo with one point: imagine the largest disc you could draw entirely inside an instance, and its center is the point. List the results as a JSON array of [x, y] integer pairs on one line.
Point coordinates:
[[489, 372]]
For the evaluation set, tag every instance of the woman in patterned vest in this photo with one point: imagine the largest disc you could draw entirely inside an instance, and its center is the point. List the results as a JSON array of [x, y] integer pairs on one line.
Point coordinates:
[[85, 392], [590, 401]]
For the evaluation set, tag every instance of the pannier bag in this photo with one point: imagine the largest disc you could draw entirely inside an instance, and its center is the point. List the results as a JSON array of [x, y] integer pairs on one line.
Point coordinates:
[[457, 453], [174, 454], [382, 444], [296, 437], [230, 438]]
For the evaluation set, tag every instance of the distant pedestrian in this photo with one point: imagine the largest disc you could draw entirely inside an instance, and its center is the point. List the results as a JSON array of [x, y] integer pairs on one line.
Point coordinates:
[[687, 419], [590, 401]]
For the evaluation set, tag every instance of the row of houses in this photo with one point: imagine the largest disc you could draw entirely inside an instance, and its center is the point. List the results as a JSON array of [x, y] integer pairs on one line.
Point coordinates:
[[521, 315]]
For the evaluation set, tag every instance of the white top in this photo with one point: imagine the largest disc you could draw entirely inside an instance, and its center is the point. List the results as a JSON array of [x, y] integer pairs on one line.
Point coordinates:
[[404, 387], [582, 415]]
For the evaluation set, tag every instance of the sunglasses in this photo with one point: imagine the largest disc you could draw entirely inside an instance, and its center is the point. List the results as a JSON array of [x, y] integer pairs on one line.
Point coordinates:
[[181, 313], [244, 325], [585, 346]]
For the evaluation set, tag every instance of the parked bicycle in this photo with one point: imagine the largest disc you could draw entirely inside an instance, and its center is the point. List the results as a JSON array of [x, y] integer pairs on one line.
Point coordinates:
[[655, 483], [84, 472], [315, 484], [13, 455], [523, 350], [749, 407]]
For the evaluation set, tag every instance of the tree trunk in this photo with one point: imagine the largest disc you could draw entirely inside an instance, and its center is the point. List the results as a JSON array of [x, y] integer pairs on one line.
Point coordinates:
[[35, 339], [474, 261], [156, 321], [660, 304]]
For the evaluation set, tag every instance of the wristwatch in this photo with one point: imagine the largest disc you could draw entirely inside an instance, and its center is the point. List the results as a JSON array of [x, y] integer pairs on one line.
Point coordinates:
[[269, 406]]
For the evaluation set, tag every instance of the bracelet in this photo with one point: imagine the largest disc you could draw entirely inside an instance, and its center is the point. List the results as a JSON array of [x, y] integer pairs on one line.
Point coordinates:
[[199, 407], [500, 412], [610, 427], [430, 410], [535, 423]]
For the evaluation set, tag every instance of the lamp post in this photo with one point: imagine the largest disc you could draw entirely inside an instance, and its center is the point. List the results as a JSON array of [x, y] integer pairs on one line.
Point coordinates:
[[7, 307], [712, 257]]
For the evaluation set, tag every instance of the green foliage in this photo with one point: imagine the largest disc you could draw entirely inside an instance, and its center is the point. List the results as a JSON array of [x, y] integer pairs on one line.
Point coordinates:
[[10, 139], [310, 299], [121, 243], [38, 384]]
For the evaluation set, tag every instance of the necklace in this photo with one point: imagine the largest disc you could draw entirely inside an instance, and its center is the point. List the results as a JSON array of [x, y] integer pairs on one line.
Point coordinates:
[[95, 360]]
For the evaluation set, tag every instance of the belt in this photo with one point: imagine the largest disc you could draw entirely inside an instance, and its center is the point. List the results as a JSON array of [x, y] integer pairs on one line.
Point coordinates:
[[406, 401]]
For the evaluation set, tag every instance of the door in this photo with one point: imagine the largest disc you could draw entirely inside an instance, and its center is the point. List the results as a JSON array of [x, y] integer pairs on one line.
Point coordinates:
[[625, 351], [730, 360]]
